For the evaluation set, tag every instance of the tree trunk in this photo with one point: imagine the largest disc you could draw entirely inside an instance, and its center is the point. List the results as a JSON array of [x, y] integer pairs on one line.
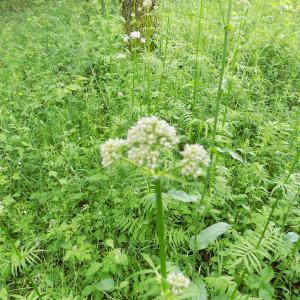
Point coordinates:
[[137, 16]]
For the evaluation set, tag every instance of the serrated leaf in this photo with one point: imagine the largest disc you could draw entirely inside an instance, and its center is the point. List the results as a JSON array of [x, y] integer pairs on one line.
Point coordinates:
[[208, 235]]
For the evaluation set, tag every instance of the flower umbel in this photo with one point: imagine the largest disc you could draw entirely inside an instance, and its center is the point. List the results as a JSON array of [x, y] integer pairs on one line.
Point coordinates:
[[178, 282], [144, 156], [147, 138], [195, 157], [111, 151], [135, 35], [147, 3], [153, 132]]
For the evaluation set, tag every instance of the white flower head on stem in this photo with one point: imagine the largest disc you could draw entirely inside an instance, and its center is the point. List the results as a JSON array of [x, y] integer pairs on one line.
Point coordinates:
[[143, 40], [195, 157], [153, 132], [178, 282], [135, 35], [147, 3], [111, 151], [147, 138], [144, 156]]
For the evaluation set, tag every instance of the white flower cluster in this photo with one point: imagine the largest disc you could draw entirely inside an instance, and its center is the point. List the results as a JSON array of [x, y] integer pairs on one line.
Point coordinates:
[[147, 3], [245, 3], [111, 151], [134, 35], [147, 138], [145, 141], [195, 157], [144, 156], [178, 282]]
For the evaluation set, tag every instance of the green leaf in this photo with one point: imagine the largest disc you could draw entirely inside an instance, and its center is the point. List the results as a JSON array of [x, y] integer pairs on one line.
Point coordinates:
[[232, 153], [267, 274], [106, 284], [88, 290], [182, 196], [120, 257], [110, 243], [208, 235], [93, 269]]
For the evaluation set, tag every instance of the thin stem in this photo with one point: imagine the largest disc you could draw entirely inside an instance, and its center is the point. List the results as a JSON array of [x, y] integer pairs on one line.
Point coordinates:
[[217, 108], [161, 232], [199, 29], [164, 57], [233, 65], [219, 95]]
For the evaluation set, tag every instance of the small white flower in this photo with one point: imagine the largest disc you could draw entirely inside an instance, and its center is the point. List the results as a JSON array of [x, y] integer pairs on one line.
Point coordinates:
[[121, 56], [147, 3], [144, 156], [135, 35], [139, 9], [143, 40], [126, 38], [155, 7], [178, 282], [153, 132], [132, 15], [120, 94], [111, 151], [195, 157], [245, 3]]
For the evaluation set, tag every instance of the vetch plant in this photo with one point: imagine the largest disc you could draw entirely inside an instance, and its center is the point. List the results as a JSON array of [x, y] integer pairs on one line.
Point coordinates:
[[146, 145]]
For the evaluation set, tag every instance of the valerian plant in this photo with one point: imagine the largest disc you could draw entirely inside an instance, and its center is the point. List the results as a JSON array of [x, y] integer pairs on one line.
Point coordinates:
[[146, 147]]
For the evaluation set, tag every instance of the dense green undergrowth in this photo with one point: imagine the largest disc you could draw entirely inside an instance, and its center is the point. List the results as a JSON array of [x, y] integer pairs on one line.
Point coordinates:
[[68, 82]]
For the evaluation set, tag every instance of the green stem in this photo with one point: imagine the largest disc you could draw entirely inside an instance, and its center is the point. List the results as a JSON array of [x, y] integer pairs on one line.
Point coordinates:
[[197, 57], [164, 57], [199, 29], [219, 95], [161, 232]]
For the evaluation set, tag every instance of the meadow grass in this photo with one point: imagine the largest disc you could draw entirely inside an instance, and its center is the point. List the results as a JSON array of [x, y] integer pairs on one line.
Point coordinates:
[[225, 74]]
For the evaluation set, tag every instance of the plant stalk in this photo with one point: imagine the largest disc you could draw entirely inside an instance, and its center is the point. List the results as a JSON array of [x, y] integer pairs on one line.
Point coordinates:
[[161, 232]]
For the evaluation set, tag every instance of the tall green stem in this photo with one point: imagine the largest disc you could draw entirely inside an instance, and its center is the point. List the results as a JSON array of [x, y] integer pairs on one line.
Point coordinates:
[[165, 56], [221, 78], [161, 232], [197, 56], [217, 108], [196, 78]]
